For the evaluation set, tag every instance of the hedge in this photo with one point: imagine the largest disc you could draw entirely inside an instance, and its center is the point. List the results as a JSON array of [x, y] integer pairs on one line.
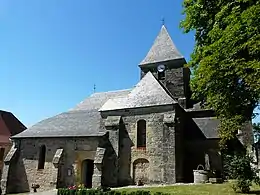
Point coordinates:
[[65, 191]]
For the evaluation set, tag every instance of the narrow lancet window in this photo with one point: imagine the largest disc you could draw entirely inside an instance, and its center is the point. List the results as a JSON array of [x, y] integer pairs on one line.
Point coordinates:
[[161, 75], [42, 154], [141, 134]]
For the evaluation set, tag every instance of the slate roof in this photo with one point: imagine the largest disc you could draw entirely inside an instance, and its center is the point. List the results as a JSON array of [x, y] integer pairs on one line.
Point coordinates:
[[148, 92], [96, 100], [208, 126], [163, 49], [83, 120], [67, 124]]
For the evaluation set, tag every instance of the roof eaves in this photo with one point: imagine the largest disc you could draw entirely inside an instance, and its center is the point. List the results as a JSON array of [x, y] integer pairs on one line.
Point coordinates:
[[58, 136]]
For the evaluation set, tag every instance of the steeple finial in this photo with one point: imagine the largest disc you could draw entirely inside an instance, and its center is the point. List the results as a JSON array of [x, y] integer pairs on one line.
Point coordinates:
[[94, 88], [163, 21]]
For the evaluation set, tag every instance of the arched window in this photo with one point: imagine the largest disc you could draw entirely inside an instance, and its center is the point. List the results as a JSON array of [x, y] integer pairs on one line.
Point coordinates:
[[141, 134], [42, 154]]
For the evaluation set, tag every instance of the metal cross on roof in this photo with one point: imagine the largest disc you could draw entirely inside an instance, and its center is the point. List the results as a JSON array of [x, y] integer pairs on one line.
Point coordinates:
[[94, 88], [163, 21]]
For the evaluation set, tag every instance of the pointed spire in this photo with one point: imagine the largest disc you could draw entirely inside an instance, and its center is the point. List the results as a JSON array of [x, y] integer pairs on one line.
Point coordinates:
[[163, 49]]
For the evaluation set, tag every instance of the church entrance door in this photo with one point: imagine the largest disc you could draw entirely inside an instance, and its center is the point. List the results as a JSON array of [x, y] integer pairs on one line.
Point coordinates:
[[87, 172]]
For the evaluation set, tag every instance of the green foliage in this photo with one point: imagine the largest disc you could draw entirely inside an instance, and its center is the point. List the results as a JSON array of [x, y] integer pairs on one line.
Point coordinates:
[[242, 186], [83, 191], [237, 166], [226, 69], [256, 130], [226, 58]]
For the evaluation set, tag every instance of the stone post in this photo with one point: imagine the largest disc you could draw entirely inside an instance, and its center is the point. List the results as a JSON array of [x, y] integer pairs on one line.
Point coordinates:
[[57, 161], [169, 148], [112, 125], [98, 161], [8, 164]]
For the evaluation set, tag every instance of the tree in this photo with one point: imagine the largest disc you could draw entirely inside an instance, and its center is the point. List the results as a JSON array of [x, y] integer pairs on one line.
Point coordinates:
[[226, 58], [226, 68], [256, 130]]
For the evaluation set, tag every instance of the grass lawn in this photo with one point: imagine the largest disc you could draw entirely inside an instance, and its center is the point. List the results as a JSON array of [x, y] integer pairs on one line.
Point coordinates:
[[200, 189]]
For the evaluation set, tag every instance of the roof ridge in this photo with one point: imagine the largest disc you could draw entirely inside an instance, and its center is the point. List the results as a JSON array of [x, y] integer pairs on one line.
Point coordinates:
[[150, 74], [119, 90], [148, 92], [4, 111]]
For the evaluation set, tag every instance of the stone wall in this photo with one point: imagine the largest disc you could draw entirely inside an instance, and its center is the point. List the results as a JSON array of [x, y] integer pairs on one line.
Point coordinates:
[[110, 159], [26, 165], [124, 157], [154, 150], [157, 160], [178, 127]]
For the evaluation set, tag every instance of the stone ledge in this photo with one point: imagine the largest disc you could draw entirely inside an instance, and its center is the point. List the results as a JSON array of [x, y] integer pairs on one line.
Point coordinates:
[[10, 155], [169, 118], [215, 180], [112, 121], [99, 155], [57, 157]]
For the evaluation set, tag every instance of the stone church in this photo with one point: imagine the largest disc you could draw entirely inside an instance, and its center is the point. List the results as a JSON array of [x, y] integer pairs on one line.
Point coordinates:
[[153, 133]]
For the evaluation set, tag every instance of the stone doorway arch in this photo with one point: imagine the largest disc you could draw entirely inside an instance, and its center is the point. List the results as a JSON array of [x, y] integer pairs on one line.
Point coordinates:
[[87, 169], [141, 170]]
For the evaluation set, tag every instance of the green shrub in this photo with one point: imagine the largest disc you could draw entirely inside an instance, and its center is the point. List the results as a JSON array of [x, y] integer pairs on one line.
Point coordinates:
[[238, 167], [81, 192]]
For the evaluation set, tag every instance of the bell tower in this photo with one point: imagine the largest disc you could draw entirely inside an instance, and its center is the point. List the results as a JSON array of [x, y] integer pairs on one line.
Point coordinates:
[[167, 65]]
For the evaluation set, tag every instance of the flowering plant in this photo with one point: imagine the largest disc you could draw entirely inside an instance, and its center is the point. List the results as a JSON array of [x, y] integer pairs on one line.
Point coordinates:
[[80, 186], [72, 187]]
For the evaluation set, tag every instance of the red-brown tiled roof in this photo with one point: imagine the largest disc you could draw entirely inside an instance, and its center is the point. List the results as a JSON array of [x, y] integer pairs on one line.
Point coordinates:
[[9, 126]]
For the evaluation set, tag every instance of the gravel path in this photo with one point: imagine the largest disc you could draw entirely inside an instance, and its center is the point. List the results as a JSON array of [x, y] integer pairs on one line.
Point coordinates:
[[50, 192]]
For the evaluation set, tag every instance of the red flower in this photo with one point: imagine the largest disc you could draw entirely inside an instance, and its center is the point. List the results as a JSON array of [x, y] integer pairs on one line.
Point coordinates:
[[73, 187]]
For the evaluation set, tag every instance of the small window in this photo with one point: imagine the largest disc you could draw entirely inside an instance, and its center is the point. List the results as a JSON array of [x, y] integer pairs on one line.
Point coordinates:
[[42, 154], [161, 75], [2, 153], [141, 134]]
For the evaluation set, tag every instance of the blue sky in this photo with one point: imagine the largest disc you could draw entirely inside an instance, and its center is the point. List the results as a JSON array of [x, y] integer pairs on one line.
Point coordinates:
[[52, 52]]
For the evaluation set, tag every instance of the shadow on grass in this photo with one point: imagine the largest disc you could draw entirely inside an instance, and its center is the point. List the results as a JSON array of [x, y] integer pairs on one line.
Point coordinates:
[[254, 192]]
